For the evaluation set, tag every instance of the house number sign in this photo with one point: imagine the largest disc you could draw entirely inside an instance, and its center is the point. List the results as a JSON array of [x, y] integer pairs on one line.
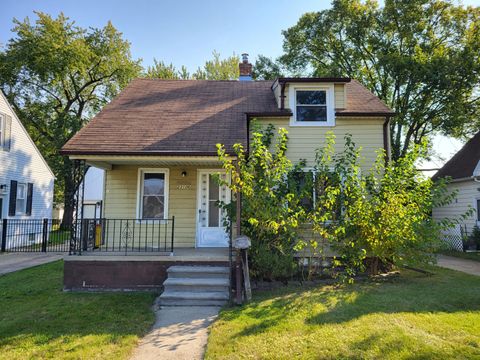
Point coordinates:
[[184, 187]]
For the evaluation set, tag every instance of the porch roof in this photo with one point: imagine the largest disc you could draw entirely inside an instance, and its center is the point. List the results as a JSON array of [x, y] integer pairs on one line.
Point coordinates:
[[106, 161]]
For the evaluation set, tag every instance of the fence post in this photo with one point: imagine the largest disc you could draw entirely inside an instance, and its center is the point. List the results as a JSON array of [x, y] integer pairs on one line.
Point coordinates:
[[45, 235], [4, 235]]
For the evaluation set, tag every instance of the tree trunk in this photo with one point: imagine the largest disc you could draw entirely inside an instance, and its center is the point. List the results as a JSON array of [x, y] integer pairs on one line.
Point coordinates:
[[374, 266], [69, 194]]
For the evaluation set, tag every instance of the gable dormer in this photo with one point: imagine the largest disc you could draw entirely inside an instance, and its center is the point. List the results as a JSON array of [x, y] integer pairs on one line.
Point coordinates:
[[312, 101]]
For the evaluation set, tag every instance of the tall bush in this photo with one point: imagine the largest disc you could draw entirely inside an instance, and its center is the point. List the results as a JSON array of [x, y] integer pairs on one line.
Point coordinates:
[[367, 218], [270, 215], [382, 215]]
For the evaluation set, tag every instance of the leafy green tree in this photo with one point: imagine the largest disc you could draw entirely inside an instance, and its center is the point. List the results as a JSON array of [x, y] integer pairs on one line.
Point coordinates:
[[219, 69], [382, 216], [57, 75], [270, 212], [421, 57], [214, 69], [160, 70], [267, 69]]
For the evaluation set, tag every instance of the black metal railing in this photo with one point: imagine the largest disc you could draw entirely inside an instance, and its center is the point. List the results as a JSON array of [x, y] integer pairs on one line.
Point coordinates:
[[123, 236], [34, 235]]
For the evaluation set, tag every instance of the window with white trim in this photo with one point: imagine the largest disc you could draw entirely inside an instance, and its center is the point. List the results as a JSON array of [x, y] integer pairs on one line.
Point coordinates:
[[21, 205], [2, 129], [312, 105], [478, 210], [153, 197]]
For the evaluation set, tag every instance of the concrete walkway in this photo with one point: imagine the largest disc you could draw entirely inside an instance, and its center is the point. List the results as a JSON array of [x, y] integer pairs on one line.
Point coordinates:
[[471, 267], [11, 262], [180, 332]]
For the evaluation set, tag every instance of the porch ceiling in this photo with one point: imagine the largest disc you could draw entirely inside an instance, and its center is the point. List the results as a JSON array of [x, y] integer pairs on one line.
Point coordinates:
[[106, 162]]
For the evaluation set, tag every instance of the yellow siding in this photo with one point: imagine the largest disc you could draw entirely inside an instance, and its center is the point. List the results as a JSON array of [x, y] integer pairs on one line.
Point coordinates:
[[367, 133], [339, 96], [121, 199]]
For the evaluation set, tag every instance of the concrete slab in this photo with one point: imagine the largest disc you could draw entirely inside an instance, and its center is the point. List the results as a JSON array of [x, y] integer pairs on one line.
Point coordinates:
[[467, 266], [178, 333], [10, 262]]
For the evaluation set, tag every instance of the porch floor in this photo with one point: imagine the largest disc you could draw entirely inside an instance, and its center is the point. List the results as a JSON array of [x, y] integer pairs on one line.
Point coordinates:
[[180, 254]]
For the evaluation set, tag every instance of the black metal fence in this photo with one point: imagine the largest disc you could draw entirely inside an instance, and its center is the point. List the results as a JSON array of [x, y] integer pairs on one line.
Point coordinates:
[[34, 235], [122, 236]]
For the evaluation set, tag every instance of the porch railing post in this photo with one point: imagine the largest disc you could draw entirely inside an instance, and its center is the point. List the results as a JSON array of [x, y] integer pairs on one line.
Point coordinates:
[[4, 235], [173, 232], [44, 235]]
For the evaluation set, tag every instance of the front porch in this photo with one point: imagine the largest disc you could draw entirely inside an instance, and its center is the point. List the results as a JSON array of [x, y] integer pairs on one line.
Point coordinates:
[[164, 201], [110, 271], [158, 213]]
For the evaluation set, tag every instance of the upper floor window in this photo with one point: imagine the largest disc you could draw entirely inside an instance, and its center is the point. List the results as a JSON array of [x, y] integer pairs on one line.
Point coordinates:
[[312, 106]]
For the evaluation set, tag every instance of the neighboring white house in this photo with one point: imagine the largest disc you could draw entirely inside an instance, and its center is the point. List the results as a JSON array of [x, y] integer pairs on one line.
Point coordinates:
[[93, 194], [464, 170], [26, 181]]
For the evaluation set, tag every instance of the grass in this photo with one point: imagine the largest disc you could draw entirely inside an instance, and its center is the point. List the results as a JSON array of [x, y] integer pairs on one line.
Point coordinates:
[[39, 320], [413, 316], [463, 255]]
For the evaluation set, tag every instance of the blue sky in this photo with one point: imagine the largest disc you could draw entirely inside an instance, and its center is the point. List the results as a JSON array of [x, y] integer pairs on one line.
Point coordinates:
[[181, 32], [186, 32]]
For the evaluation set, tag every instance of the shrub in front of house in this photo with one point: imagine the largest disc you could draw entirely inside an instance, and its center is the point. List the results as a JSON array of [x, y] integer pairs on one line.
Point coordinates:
[[371, 220]]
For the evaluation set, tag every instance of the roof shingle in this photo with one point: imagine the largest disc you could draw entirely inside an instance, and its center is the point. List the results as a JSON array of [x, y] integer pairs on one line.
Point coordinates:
[[168, 117]]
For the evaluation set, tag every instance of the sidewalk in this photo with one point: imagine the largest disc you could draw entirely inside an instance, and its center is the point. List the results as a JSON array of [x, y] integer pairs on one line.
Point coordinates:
[[467, 266], [180, 332], [11, 262]]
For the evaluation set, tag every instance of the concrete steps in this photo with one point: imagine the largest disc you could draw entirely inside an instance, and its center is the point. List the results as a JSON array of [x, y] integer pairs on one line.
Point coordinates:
[[195, 286]]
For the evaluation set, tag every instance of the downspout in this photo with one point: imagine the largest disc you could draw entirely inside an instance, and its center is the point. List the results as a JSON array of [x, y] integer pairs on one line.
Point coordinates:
[[386, 142], [282, 95]]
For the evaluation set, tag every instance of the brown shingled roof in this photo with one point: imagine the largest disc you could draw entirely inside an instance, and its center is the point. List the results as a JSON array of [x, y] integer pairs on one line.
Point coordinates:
[[181, 117], [462, 164], [360, 101]]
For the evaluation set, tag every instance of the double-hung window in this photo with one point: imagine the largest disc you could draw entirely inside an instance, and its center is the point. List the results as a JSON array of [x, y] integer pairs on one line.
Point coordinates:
[[312, 106], [153, 194], [21, 201], [478, 211], [2, 130]]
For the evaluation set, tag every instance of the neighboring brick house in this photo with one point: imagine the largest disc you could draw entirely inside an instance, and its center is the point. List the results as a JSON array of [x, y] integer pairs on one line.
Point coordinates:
[[463, 170], [26, 181]]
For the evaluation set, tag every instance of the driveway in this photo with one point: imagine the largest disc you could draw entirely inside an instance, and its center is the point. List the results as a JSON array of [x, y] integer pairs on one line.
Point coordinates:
[[10, 262], [467, 266]]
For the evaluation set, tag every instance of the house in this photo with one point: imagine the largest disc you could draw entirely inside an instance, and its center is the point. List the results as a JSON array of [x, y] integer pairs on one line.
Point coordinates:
[[157, 142], [463, 170], [26, 181]]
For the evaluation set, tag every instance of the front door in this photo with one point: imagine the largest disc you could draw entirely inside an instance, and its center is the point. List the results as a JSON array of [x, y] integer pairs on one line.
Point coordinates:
[[211, 231]]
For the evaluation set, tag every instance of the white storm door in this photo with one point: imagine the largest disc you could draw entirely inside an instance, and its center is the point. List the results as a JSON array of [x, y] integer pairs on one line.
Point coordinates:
[[211, 231]]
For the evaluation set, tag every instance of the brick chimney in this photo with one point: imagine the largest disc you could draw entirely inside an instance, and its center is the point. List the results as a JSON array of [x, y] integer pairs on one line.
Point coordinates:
[[245, 69]]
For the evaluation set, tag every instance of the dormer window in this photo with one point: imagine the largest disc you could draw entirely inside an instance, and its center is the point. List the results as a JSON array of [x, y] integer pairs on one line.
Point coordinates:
[[312, 105]]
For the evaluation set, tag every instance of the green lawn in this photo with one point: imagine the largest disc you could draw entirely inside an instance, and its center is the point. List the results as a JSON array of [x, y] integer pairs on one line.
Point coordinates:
[[414, 316], [463, 255], [39, 320]]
